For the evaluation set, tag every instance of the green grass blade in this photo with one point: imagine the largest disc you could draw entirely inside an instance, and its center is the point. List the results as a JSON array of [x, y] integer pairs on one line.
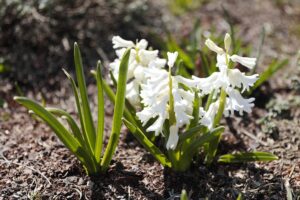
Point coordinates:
[[101, 113], [270, 71], [247, 157], [239, 197], [142, 138], [87, 115], [118, 112], [73, 125], [62, 133]]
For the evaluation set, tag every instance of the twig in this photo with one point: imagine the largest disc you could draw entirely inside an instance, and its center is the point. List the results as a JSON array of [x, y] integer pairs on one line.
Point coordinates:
[[289, 195], [5, 160], [292, 170], [254, 138]]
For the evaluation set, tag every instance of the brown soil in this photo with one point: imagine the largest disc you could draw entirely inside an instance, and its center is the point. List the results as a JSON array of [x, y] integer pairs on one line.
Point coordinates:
[[35, 165]]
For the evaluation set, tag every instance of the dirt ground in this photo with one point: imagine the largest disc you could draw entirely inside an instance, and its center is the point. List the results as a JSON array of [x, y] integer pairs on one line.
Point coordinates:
[[35, 165]]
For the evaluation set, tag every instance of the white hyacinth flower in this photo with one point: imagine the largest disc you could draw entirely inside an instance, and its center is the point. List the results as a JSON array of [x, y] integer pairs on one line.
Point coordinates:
[[226, 79], [156, 100], [140, 58]]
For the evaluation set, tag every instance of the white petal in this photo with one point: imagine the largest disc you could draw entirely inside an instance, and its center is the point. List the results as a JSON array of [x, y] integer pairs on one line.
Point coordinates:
[[147, 56], [157, 63], [237, 102], [240, 80], [172, 58], [132, 93], [209, 116], [245, 61], [142, 44], [212, 46], [173, 138], [221, 61], [119, 42], [192, 83]]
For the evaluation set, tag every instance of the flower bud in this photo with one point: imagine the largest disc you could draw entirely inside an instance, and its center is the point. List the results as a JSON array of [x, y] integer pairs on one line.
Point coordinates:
[[227, 42]]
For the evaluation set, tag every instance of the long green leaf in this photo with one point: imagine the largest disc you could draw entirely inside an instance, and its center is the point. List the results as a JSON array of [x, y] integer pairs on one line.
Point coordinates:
[[270, 71], [62, 133], [247, 157], [142, 138], [197, 143], [101, 113], [196, 107], [173, 46], [87, 115], [118, 111], [75, 129], [79, 110], [190, 133]]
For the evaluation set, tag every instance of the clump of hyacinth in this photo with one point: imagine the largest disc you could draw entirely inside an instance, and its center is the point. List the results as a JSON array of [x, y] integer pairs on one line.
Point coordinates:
[[153, 85], [184, 113]]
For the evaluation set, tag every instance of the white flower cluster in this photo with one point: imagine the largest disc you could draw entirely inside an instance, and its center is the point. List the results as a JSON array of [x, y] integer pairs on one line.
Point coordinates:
[[150, 84]]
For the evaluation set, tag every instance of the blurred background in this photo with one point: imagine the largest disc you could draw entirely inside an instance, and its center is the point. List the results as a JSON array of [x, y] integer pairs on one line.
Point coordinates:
[[36, 36]]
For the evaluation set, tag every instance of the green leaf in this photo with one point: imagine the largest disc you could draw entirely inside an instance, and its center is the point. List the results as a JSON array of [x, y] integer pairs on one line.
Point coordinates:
[[262, 40], [239, 197], [190, 133], [184, 195], [172, 116], [270, 71], [173, 46], [101, 114], [79, 110], [142, 138], [75, 129], [87, 115], [118, 111], [198, 142], [62, 133], [247, 157], [196, 107]]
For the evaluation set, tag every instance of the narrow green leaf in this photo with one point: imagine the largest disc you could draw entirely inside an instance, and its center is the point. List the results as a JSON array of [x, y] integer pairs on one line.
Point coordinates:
[[75, 129], [190, 133], [101, 114], [247, 157], [118, 111], [206, 70], [239, 197], [270, 71], [57, 127], [142, 138], [172, 116], [196, 107], [128, 105], [261, 44], [87, 115], [79, 109], [62, 133], [197, 143], [173, 46]]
